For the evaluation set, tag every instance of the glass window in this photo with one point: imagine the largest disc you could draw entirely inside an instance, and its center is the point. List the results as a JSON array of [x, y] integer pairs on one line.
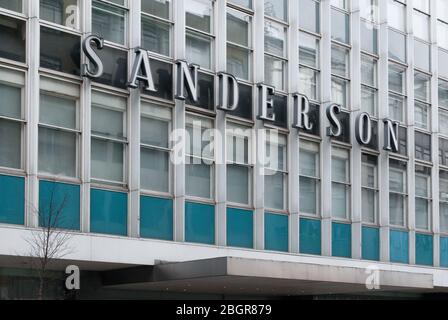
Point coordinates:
[[11, 118], [421, 25], [275, 180], [109, 138], [276, 9], [60, 51], [443, 94], [422, 115], [423, 146], [397, 46], [340, 61], [309, 83], [58, 128], [422, 5], [397, 193], [443, 67], [108, 21], [396, 15], [239, 44], [422, 84], [422, 197], [370, 189], [200, 157], [443, 122], [341, 190], [239, 171], [369, 37], [155, 148], [340, 92], [13, 44], [159, 8], [369, 10], [397, 79], [309, 168], [308, 50], [63, 12], [442, 34], [156, 35], [340, 26], [198, 14], [13, 5], [422, 55], [243, 3], [309, 15], [443, 201]]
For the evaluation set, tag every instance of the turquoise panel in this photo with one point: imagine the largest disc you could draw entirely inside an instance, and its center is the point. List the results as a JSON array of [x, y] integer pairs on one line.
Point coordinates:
[[399, 246], [199, 223], [59, 205], [370, 243], [156, 218], [108, 212], [310, 236], [424, 246], [276, 232], [12, 200], [444, 252], [240, 228], [341, 240]]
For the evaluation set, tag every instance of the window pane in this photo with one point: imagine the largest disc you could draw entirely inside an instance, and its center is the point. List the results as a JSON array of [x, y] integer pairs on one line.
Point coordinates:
[[199, 49], [107, 160], [309, 15], [422, 116], [107, 122], [308, 50], [443, 122], [198, 14], [421, 214], [11, 148], [308, 83], [108, 22], [339, 200], [309, 195], [309, 159], [423, 146], [444, 217], [198, 180], [239, 28], [369, 100], [274, 72], [396, 15], [274, 38], [13, 42], [339, 92], [369, 206], [276, 8], [60, 51], [238, 184], [443, 94], [422, 87], [340, 26], [238, 62], [243, 3], [422, 54], [368, 71], [397, 46], [156, 36], [274, 191], [11, 101], [155, 170], [369, 37], [396, 209], [57, 152], [340, 61], [57, 111], [63, 12], [160, 8], [155, 132], [421, 25], [396, 108], [14, 5], [443, 67]]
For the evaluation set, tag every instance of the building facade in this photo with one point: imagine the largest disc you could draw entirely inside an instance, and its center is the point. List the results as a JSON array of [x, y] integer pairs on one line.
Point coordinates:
[[101, 151]]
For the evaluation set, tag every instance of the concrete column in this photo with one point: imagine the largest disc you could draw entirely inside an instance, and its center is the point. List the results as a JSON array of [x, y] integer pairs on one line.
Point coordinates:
[[86, 101], [383, 112], [220, 126], [179, 123], [32, 128], [260, 143], [293, 137], [134, 112], [411, 134], [325, 50], [356, 155]]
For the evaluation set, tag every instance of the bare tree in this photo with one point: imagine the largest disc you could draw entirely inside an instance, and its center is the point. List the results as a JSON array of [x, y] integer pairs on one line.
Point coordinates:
[[48, 242]]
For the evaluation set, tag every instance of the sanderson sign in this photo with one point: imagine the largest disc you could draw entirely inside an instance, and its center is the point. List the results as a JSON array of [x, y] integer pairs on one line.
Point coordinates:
[[187, 80]]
